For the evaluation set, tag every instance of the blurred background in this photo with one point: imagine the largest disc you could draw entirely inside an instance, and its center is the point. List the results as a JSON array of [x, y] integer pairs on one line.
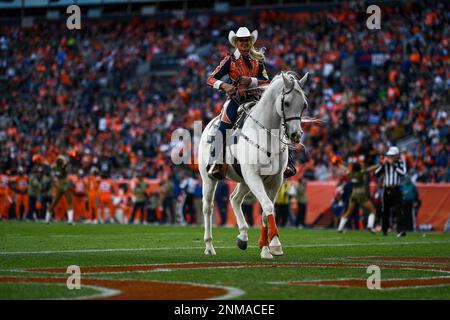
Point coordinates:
[[109, 96]]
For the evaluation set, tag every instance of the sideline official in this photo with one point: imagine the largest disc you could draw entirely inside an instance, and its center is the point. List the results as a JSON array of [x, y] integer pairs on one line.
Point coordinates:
[[393, 168]]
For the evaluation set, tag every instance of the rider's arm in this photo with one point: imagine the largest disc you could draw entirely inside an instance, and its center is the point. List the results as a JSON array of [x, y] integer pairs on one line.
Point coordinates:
[[262, 79], [222, 69]]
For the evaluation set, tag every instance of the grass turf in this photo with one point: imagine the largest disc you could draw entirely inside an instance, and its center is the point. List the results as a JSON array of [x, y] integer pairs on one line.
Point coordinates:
[[30, 245]]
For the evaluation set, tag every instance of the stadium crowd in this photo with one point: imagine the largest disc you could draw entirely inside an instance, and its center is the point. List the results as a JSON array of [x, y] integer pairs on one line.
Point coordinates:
[[80, 92]]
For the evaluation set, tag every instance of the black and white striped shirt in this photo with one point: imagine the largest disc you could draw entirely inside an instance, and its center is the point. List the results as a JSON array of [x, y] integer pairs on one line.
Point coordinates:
[[393, 173]]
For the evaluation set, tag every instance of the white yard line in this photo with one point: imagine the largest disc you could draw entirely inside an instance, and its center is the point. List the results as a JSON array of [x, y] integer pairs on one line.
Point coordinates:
[[371, 244], [97, 236], [379, 259]]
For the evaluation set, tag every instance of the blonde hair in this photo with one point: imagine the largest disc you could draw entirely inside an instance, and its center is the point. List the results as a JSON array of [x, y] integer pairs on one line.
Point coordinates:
[[257, 54]]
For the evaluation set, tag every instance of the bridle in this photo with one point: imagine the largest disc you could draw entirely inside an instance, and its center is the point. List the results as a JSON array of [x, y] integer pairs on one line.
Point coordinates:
[[285, 120], [283, 114]]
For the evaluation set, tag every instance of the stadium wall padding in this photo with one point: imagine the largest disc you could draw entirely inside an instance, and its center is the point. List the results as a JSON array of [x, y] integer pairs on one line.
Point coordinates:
[[434, 211], [433, 214]]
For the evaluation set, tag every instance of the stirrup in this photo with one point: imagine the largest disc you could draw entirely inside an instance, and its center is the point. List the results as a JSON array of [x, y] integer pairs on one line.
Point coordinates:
[[290, 171], [215, 173]]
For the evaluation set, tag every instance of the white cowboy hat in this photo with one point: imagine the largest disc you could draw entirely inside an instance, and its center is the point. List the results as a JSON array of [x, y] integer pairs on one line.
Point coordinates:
[[242, 32], [393, 151]]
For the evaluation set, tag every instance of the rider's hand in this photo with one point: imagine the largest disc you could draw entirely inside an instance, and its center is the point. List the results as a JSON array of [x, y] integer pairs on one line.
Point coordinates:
[[228, 88], [246, 81]]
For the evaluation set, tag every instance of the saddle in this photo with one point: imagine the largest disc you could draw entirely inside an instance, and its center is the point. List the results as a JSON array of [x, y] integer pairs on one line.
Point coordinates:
[[243, 111]]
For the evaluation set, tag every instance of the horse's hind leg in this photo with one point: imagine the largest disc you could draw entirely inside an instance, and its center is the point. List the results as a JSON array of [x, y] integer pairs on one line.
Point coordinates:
[[209, 187], [236, 197]]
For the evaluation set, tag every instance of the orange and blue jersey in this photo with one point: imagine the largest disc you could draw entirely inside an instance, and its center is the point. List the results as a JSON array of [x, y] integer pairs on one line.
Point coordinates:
[[236, 65]]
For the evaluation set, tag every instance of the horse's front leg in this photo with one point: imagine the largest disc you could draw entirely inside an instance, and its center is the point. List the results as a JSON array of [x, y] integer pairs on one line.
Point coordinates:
[[269, 228], [209, 187], [272, 188]]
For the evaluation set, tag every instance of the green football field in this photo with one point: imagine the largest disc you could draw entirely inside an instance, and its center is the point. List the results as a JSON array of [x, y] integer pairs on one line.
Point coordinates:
[[167, 262]]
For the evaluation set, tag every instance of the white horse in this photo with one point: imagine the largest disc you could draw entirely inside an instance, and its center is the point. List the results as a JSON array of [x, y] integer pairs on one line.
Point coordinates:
[[263, 157]]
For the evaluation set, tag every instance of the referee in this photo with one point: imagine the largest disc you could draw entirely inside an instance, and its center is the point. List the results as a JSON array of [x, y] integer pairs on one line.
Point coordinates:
[[393, 169]]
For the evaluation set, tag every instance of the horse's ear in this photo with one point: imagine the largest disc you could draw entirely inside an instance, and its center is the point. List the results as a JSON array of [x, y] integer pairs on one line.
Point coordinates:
[[288, 83], [302, 81]]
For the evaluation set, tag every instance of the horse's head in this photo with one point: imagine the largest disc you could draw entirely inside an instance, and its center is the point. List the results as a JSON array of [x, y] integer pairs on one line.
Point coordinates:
[[290, 105]]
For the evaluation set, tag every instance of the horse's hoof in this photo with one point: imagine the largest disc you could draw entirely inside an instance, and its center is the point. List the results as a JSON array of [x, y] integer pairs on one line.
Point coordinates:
[[265, 253], [241, 244], [275, 247], [209, 251], [276, 250]]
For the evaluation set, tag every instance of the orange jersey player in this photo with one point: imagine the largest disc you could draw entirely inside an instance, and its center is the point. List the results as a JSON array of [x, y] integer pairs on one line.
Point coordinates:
[[93, 183], [19, 185], [5, 199], [79, 196], [106, 190]]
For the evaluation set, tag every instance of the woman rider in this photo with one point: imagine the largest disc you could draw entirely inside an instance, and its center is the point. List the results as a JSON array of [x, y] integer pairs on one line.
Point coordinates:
[[357, 178], [245, 66]]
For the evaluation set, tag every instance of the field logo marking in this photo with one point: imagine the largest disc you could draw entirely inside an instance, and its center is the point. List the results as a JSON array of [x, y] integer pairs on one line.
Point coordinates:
[[374, 280], [138, 289], [127, 289], [74, 280]]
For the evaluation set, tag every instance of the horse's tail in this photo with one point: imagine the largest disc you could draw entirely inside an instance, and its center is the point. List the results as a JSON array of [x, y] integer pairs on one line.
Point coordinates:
[[315, 121], [309, 120]]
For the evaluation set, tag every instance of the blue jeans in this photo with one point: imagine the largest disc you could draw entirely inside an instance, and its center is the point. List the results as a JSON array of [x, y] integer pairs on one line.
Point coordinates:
[[229, 115], [227, 119]]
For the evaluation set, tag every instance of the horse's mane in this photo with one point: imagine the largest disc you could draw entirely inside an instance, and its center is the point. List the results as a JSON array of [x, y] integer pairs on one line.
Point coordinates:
[[294, 74], [290, 73]]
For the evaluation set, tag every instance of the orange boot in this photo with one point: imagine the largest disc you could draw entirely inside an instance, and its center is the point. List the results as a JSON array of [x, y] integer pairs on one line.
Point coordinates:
[[273, 229], [263, 236]]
